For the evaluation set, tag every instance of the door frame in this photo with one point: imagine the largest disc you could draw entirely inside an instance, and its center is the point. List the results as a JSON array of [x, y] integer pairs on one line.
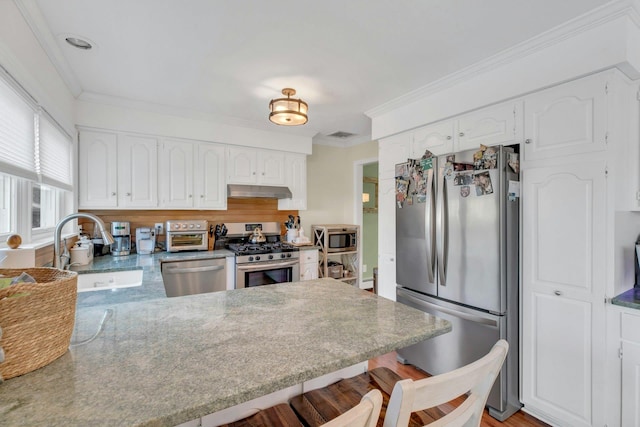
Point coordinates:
[[358, 166]]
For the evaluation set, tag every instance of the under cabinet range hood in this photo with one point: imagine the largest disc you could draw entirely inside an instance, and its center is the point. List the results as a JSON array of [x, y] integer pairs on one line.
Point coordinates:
[[238, 191]]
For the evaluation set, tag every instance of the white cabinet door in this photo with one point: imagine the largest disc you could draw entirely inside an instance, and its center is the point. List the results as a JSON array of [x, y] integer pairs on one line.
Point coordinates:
[[392, 150], [563, 289], [566, 119], [271, 167], [137, 172], [387, 238], [176, 174], [491, 126], [209, 183], [437, 138], [296, 180], [308, 264], [242, 165], [630, 384], [97, 170]]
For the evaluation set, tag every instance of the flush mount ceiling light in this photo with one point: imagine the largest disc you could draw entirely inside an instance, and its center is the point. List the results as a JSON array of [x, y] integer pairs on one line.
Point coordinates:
[[288, 111], [79, 43]]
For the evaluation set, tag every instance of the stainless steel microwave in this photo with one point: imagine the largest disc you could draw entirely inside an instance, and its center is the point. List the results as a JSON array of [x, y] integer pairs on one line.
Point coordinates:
[[342, 239]]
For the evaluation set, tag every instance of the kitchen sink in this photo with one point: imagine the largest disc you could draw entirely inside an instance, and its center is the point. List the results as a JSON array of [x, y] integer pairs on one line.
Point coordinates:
[[111, 280]]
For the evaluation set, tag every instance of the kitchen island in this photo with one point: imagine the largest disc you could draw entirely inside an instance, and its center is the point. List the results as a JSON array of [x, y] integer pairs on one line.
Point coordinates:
[[167, 361]]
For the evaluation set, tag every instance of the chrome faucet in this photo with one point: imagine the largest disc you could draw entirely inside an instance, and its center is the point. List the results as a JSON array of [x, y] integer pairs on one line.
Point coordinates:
[[57, 257]]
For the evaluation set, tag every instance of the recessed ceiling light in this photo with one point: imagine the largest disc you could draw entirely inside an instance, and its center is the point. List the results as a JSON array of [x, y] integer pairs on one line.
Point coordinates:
[[79, 43]]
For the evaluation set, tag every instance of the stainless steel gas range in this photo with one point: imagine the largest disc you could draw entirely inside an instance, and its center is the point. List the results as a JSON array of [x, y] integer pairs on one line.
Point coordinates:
[[261, 257]]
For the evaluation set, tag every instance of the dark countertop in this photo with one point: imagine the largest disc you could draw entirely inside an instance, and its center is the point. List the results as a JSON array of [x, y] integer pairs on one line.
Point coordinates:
[[167, 361], [152, 286], [630, 299]]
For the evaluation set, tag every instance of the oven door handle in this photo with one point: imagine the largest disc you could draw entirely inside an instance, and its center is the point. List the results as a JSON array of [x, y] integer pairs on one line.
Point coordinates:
[[266, 265], [175, 270]]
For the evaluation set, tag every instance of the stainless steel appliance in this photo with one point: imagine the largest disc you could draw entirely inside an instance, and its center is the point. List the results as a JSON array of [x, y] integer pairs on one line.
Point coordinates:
[[187, 235], [261, 257], [121, 232], [341, 239], [457, 258], [193, 276], [145, 240]]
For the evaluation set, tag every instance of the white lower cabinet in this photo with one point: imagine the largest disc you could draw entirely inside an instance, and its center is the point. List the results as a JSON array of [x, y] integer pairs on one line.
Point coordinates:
[[630, 353], [563, 289], [308, 264]]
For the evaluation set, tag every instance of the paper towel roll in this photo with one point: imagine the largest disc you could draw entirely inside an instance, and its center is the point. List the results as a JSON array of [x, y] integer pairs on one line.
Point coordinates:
[[17, 258]]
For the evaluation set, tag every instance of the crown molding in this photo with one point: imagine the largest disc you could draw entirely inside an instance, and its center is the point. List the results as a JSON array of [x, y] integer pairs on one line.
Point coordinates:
[[33, 17], [605, 13]]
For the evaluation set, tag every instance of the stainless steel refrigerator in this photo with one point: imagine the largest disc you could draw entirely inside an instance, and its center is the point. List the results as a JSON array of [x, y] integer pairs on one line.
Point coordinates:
[[457, 258]]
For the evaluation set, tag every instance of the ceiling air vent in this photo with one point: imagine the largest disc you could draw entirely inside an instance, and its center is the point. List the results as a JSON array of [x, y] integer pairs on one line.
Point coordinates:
[[341, 134]]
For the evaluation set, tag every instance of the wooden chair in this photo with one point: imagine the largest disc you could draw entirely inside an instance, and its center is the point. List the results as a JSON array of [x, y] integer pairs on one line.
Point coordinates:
[[476, 379], [365, 414]]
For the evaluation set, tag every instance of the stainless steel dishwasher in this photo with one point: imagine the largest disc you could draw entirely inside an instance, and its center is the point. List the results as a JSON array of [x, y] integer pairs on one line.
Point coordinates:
[[193, 276]]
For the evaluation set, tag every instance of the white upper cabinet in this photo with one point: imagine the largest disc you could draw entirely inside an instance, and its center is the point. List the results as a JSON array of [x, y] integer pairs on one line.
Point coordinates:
[[137, 172], [567, 119], [296, 180], [117, 171], [209, 182], [497, 125], [254, 166], [176, 177], [97, 174], [437, 138], [392, 150]]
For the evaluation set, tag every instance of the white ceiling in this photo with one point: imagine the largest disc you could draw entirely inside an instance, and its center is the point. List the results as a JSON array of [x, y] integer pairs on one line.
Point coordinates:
[[227, 58]]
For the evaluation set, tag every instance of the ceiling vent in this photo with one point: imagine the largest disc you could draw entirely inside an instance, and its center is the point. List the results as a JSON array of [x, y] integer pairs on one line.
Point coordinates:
[[341, 134]]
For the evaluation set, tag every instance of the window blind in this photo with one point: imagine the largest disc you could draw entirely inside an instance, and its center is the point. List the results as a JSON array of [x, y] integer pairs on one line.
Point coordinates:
[[54, 154], [17, 134]]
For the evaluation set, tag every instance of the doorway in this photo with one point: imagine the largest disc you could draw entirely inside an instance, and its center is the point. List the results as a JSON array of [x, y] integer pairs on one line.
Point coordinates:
[[366, 206]]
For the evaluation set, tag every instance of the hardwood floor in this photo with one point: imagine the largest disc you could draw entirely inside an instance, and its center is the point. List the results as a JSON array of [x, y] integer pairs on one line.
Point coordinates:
[[519, 419]]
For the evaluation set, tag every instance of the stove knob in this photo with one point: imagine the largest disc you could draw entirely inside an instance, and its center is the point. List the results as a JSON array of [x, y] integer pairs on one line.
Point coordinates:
[[282, 255], [270, 256], [250, 258], [257, 258], [288, 255]]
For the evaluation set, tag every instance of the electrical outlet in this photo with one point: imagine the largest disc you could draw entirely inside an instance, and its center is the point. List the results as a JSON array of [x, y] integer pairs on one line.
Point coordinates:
[[159, 228], [364, 268]]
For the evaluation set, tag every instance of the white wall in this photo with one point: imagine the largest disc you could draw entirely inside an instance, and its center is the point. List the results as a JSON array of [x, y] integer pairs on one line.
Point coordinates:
[[23, 57], [132, 119], [330, 190]]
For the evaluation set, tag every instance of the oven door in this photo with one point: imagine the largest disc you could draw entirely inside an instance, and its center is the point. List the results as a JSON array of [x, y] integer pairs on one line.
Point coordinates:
[[266, 273]]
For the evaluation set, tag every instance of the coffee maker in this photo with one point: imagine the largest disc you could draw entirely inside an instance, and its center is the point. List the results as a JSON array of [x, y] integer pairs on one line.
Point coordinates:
[[121, 232]]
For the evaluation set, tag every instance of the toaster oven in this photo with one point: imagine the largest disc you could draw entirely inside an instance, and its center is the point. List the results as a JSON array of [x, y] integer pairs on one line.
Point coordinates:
[[187, 235]]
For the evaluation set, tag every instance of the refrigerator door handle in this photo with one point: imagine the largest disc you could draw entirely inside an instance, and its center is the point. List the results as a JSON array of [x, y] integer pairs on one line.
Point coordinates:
[[455, 313], [444, 217], [429, 226]]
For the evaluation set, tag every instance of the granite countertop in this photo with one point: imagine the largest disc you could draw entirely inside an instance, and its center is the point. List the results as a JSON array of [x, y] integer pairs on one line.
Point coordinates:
[[167, 361], [630, 299], [152, 286]]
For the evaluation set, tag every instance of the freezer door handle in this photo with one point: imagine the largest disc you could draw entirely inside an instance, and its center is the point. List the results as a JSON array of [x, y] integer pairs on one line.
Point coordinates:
[[459, 314]]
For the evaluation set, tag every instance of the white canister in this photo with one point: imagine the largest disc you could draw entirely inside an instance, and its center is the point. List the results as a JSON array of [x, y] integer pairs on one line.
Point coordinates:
[[80, 255], [292, 233]]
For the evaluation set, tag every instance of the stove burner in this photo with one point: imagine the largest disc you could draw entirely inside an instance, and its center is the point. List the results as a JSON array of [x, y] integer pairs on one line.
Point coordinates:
[[260, 248]]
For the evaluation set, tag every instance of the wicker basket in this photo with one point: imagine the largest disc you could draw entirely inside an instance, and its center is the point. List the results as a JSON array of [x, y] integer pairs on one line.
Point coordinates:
[[36, 328]]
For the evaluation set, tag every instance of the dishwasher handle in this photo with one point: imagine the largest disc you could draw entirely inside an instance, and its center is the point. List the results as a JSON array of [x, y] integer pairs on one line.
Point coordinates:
[[176, 270], [459, 314]]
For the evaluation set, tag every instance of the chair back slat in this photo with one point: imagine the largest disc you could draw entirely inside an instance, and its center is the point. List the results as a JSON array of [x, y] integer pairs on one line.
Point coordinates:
[[476, 378]]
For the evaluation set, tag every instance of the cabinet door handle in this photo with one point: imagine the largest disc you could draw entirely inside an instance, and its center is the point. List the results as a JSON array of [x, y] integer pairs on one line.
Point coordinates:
[[262, 173], [527, 141], [461, 134], [448, 137], [558, 293], [128, 194], [202, 196], [190, 196], [113, 193]]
